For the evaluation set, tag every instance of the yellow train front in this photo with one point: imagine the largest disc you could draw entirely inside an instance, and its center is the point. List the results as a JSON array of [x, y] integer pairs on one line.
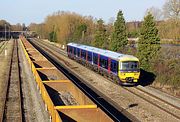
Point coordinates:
[[122, 68], [129, 70]]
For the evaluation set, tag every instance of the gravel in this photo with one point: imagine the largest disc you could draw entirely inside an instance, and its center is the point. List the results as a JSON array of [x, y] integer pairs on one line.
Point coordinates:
[[133, 104], [67, 98], [4, 73], [34, 107]]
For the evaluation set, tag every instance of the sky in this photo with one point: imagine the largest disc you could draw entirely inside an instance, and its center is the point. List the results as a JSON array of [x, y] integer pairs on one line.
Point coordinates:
[[35, 11]]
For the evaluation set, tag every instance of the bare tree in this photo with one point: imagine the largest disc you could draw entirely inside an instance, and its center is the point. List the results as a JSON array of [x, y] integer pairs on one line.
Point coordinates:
[[171, 9], [156, 12]]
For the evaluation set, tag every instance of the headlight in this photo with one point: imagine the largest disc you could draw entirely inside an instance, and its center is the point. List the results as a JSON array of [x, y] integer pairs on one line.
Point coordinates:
[[136, 74], [123, 74]]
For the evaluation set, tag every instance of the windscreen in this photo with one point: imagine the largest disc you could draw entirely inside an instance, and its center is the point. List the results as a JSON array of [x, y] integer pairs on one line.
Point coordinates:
[[130, 65]]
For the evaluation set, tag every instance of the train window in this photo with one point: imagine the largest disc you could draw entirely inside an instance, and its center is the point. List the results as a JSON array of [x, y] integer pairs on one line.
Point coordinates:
[[74, 50], [114, 66], [78, 52], [129, 65], [70, 49], [103, 62], [106, 63], [83, 54], [95, 58], [89, 56]]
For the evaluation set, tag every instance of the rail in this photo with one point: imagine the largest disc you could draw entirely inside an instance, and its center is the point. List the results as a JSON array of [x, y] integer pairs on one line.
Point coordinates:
[[3, 45], [12, 102], [48, 102], [129, 89], [172, 113], [114, 111], [85, 109]]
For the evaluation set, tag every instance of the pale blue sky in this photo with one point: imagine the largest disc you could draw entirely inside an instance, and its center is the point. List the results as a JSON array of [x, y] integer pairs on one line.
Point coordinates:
[[27, 11]]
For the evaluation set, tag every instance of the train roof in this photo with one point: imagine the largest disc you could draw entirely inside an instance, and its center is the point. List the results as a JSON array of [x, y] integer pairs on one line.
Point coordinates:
[[107, 53]]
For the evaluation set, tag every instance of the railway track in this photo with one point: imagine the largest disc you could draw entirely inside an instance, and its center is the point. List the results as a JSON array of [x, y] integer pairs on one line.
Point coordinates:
[[114, 111], [12, 100], [169, 108], [1, 43], [2, 46], [166, 106]]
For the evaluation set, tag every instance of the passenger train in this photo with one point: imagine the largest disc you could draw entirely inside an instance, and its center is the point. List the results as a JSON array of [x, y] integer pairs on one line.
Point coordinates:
[[121, 68]]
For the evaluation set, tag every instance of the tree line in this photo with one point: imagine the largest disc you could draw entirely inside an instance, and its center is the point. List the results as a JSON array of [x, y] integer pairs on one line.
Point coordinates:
[[63, 27], [67, 25], [18, 27]]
